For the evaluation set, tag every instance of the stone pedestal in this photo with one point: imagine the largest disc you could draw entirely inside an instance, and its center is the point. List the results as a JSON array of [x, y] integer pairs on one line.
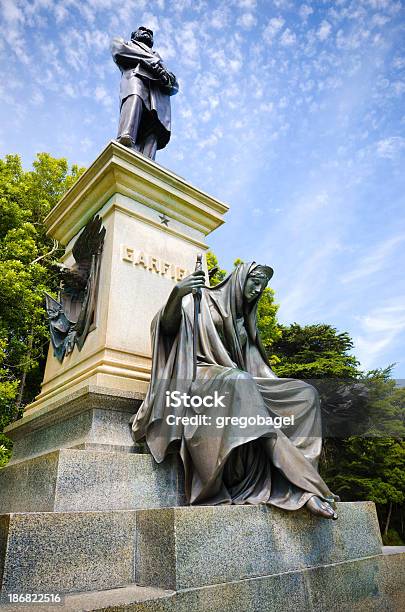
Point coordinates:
[[250, 558], [156, 224], [92, 417], [70, 480]]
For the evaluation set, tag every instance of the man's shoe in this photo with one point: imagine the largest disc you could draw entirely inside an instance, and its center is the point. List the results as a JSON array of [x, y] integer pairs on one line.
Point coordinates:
[[126, 140]]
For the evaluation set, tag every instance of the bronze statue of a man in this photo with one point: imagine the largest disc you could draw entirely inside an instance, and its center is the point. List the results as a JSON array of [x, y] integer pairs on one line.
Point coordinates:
[[146, 87]]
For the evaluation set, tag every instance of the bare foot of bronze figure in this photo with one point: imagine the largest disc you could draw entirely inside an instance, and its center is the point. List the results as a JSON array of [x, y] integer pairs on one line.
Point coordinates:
[[320, 508]]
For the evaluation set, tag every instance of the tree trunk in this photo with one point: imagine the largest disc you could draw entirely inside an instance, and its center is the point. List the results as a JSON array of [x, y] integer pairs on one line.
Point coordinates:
[[387, 524]]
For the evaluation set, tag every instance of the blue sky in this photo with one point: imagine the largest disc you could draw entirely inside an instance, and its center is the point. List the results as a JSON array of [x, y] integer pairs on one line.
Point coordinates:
[[291, 112]]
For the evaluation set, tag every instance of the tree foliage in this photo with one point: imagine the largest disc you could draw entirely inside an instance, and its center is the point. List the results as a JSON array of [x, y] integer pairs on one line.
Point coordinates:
[[216, 273], [269, 329], [370, 468], [314, 351], [26, 197]]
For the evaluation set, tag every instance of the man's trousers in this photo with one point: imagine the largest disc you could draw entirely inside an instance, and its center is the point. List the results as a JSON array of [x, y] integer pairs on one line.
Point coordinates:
[[132, 109]]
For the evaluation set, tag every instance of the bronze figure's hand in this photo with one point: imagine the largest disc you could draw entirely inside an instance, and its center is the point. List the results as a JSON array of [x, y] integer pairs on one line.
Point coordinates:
[[196, 280], [162, 74]]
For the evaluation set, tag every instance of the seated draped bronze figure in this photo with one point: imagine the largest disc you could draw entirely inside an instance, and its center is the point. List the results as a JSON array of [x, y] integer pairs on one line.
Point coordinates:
[[231, 465]]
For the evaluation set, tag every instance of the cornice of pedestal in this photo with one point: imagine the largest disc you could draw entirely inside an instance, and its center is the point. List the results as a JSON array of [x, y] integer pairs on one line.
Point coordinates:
[[121, 170]]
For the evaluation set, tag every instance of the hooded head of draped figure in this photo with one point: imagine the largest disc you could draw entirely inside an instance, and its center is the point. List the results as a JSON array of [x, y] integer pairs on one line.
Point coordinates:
[[256, 281]]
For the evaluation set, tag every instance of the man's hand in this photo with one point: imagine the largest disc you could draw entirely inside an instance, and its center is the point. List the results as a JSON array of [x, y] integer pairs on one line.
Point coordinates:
[[196, 280], [161, 73]]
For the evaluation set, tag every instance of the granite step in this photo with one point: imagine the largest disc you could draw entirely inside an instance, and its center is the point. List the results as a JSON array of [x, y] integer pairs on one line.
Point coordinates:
[[61, 552], [175, 548], [118, 599], [190, 547], [71, 480], [373, 584]]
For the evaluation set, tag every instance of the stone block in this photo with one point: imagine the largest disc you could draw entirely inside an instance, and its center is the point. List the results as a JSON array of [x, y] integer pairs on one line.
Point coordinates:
[[67, 552], [71, 480], [371, 584], [232, 560], [92, 417], [361, 585], [182, 548]]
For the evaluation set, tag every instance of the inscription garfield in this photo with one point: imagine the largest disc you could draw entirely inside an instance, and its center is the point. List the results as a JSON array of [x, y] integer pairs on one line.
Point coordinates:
[[153, 264]]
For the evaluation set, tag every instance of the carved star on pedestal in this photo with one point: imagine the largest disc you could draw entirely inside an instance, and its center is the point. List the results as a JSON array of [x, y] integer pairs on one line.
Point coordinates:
[[164, 220]]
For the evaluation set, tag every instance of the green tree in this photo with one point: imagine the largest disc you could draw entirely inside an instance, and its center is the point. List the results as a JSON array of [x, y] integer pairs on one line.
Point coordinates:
[[8, 393], [26, 197], [371, 468], [314, 351], [216, 273], [269, 329], [372, 465]]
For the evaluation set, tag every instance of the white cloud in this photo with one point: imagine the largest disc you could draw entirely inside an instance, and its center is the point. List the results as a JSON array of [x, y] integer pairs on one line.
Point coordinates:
[[215, 136], [61, 12], [69, 90], [398, 62], [235, 65], [247, 4], [283, 4], [189, 43], [96, 40], [388, 318], [380, 20], [219, 18], [247, 20], [352, 40], [306, 280], [267, 107], [86, 144], [375, 261], [149, 20], [37, 98], [11, 12], [390, 148], [380, 329], [273, 27], [305, 11], [389, 5], [288, 38], [100, 93], [324, 30]]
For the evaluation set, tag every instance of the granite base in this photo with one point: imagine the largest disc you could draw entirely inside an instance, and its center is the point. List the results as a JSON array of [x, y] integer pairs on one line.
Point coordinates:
[[70, 480]]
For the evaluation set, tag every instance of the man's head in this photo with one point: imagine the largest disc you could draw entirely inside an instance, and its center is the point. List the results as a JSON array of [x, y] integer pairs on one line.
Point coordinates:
[[256, 281], [143, 35]]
